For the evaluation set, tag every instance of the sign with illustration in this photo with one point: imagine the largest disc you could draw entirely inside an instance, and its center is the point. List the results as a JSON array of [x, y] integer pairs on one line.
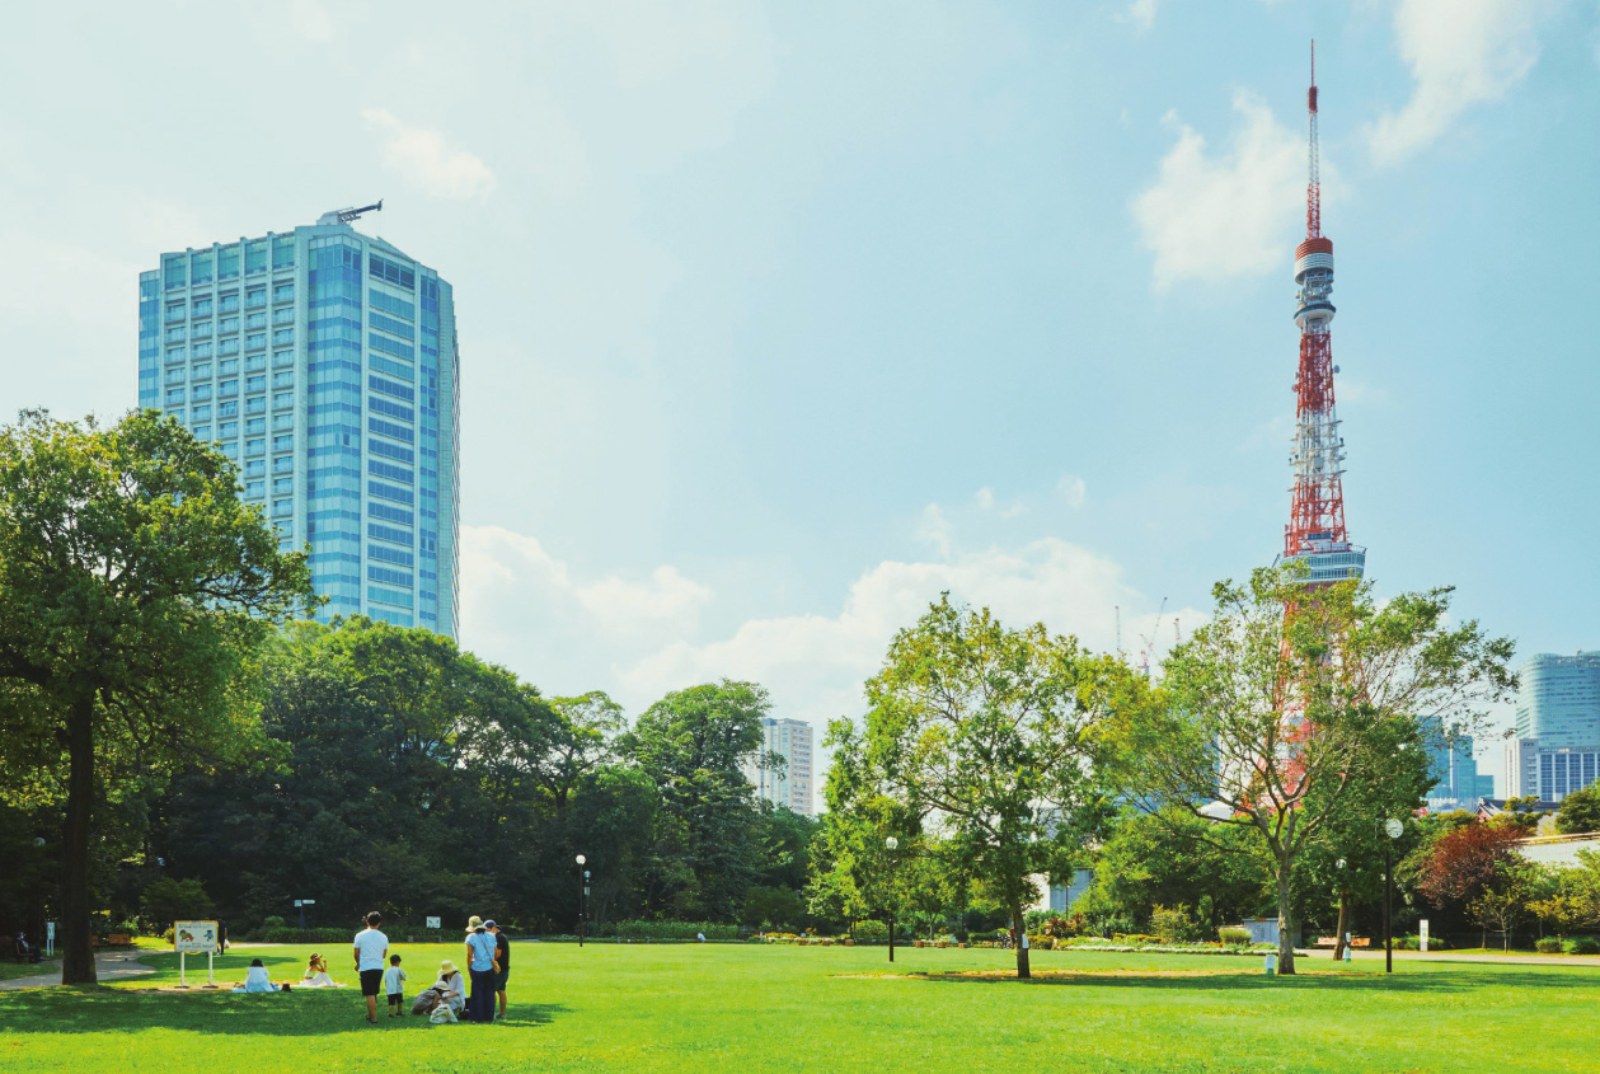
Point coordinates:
[[194, 937]]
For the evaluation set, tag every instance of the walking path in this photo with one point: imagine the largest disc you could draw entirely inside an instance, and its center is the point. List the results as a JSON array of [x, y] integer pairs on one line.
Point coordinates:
[[108, 966], [1512, 960]]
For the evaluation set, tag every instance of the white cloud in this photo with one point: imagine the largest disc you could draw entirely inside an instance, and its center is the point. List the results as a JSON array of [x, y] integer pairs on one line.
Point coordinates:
[[1141, 13], [1213, 217], [815, 664], [1072, 489], [310, 20], [512, 589], [423, 156], [989, 503], [1461, 53], [935, 529]]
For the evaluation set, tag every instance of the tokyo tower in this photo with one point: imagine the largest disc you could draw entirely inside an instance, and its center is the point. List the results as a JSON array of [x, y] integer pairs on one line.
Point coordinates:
[[1316, 532]]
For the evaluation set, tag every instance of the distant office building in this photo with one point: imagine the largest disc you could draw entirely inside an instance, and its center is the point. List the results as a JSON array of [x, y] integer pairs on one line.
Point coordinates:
[[1451, 765], [1557, 746], [790, 784], [324, 362], [1486, 785]]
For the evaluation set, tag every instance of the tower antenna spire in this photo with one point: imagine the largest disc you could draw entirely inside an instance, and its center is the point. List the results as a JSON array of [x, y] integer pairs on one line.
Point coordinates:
[[1314, 181]]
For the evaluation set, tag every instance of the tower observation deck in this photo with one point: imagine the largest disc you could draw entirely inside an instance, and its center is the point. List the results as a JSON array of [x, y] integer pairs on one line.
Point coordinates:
[[1316, 531]]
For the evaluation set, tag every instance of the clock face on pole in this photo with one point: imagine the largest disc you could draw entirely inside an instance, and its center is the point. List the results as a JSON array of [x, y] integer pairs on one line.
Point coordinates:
[[1394, 828]]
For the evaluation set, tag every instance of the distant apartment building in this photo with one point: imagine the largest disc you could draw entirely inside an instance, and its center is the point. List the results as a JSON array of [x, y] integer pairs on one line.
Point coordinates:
[[1556, 749], [1451, 765], [788, 784], [324, 363]]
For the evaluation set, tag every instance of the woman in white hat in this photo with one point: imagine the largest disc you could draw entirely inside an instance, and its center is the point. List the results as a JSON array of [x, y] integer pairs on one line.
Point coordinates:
[[451, 987]]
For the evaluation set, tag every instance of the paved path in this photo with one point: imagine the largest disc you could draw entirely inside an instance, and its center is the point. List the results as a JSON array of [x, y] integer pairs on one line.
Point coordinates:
[[1446, 956], [108, 965]]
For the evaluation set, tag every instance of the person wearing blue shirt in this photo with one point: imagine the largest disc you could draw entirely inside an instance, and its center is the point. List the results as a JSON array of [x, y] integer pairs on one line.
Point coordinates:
[[480, 964]]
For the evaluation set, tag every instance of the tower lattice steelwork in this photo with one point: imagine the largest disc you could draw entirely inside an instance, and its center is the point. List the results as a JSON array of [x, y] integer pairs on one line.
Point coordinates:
[[1316, 531]]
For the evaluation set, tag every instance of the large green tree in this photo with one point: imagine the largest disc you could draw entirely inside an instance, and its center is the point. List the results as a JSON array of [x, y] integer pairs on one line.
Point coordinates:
[[1281, 715], [134, 586], [985, 735], [694, 744]]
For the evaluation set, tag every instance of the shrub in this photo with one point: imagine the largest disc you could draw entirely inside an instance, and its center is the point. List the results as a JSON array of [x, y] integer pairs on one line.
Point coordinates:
[[1582, 945], [273, 921], [674, 930], [1134, 939], [1547, 945], [1172, 924], [873, 931], [1234, 935]]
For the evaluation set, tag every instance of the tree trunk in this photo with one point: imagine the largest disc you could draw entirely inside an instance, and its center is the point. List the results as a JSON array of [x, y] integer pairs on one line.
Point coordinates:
[[1285, 922], [1344, 926], [1020, 923], [77, 957]]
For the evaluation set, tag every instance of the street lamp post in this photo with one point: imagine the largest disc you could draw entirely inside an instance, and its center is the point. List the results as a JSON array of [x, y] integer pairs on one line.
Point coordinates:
[[583, 894], [1394, 830], [892, 844]]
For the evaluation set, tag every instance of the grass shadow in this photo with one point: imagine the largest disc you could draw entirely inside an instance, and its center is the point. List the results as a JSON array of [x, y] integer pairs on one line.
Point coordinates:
[[301, 1013]]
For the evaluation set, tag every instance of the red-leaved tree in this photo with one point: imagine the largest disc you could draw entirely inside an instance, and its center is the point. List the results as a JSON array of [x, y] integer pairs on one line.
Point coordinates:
[[1466, 861]]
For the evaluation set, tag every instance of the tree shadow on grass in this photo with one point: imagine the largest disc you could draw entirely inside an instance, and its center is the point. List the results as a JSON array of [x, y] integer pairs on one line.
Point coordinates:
[[300, 1013], [1241, 982]]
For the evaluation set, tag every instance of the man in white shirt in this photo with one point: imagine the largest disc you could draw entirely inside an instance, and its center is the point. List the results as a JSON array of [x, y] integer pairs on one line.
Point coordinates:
[[371, 948]]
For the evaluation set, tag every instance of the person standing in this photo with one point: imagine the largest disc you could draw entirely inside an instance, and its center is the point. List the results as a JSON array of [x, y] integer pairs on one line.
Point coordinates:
[[371, 948], [502, 954], [480, 965]]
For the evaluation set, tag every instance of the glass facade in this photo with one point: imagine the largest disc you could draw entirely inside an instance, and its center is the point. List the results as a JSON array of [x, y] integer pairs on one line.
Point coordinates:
[[1557, 746], [324, 362], [1452, 766]]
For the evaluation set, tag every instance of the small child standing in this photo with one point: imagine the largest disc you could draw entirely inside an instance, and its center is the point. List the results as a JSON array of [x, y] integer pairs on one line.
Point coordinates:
[[394, 983]]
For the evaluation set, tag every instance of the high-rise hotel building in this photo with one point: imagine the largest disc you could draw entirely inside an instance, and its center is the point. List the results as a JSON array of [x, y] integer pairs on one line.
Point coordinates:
[[324, 362], [1556, 746], [790, 784]]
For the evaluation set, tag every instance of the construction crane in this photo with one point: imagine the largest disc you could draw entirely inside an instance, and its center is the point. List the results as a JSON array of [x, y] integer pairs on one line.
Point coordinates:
[[1150, 641], [345, 216]]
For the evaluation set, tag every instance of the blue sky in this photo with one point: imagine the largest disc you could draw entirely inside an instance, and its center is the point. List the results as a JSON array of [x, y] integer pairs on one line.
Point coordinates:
[[779, 319]]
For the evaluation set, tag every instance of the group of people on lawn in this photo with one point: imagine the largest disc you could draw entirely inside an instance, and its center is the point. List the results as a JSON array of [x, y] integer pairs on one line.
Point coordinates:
[[488, 958]]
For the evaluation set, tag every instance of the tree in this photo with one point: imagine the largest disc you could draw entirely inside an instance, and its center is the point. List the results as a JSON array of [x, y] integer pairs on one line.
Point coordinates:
[[1275, 715], [134, 585], [1503, 902], [1465, 861], [984, 735], [693, 745], [167, 900], [1579, 811]]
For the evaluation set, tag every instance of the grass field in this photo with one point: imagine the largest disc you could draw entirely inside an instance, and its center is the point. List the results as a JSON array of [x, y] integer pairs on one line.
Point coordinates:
[[767, 1009]]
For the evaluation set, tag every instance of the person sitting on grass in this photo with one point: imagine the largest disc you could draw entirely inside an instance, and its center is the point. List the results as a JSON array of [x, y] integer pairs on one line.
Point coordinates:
[[317, 975], [449, 990], [256, 978]]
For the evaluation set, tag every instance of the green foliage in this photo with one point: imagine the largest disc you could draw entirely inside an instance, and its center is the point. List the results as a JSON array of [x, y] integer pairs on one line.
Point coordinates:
[[1580, 811], [135, 586], [1581, 945], [692, 744], [1548, 945], [1413, 942], [1234, 935], [1173, 924], [870, 930], [673, 930], [1289, 713], [985, 735], [167, 900]]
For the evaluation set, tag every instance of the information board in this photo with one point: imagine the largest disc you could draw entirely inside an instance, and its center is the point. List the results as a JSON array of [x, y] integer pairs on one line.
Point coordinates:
[[194, 937]]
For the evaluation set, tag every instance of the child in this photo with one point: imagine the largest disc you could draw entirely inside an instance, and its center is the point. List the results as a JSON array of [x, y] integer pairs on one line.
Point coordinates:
[[394, 983]]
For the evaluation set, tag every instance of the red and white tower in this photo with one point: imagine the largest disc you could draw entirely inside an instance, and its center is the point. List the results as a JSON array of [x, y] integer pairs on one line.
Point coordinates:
[[1316, 532]]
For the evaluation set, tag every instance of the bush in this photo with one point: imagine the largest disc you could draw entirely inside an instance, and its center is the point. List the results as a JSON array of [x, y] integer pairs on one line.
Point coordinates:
[[673, 930], [1547, 945], [273, 921], [1134, 939], [1172, 924], [1413, 942], [292, 935], [1582, 945], [872, 931], [1234, 935]]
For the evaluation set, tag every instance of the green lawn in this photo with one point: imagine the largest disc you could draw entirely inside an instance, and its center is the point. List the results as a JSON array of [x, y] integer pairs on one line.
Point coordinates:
[[11, 970], [756, 1009]]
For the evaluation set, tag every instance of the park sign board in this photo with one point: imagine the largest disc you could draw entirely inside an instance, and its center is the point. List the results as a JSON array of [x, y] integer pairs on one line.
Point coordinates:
[[194, 937]]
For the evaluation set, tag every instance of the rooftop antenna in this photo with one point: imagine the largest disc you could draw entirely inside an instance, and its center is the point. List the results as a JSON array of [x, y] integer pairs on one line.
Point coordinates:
[[345, 216]]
